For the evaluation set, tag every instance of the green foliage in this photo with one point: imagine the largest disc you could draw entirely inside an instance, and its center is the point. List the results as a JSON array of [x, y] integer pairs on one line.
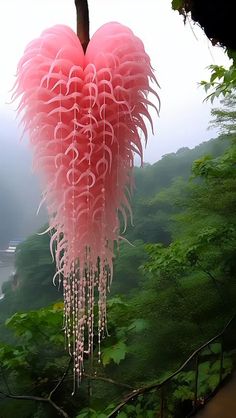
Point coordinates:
[[208, 379], [91, 413], [177, 4], [116, 346], [34, 272], [35, 362], [222, 81], [128, 411], [114, 353], [35, 332], [126, 270], [224, 118]]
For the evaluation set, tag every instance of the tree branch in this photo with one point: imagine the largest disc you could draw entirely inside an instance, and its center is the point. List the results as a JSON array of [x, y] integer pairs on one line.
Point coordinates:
[[108, 380], [61, 380], [39, 398], [214, 281], [36, 399], [82, 22]]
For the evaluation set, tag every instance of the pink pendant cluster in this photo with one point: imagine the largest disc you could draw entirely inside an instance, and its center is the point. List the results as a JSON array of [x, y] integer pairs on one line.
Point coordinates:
[[85, 114]]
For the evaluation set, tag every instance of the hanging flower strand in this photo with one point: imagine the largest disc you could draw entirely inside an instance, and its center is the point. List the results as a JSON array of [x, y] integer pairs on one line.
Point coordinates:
[[85, 112]]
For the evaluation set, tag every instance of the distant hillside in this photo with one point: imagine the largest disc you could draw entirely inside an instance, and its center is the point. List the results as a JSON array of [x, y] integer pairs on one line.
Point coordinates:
[[20, 192], [151, 213], [153, 208], [152, 178]]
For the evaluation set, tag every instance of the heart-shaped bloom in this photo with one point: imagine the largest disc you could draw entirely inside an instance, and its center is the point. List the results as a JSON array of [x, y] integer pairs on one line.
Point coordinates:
[[84, 114]]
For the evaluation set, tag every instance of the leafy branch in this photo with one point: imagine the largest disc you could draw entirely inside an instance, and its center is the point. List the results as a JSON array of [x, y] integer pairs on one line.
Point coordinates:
[[137, 392], [222, 81], [44, 400]]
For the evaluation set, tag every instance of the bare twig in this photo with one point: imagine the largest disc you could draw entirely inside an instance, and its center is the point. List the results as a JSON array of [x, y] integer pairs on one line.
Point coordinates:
[[215, 282], [61, 380], [99, 378], [82, 22], [36, 399], [108, 380]]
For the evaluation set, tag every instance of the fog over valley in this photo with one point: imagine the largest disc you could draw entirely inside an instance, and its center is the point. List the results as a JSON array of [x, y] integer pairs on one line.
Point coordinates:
[[20, 193]]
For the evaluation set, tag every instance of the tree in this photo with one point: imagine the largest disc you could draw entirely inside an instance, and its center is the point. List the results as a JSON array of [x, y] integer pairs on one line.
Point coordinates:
[[222, 81], [34, 367]]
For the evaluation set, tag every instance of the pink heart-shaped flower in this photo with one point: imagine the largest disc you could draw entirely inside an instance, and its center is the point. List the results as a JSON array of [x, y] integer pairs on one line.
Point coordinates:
[[84, 114]]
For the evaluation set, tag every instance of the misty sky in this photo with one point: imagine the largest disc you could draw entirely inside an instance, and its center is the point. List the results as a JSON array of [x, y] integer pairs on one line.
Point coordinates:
[[178, 53]]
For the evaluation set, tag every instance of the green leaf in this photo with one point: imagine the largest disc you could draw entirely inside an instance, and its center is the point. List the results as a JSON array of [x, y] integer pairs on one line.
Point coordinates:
[[122, 415], [88, 413], [177, 4], [215, 348], [183, 393], [115, 353], [138, 325], [116, 301], [130, 408]]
